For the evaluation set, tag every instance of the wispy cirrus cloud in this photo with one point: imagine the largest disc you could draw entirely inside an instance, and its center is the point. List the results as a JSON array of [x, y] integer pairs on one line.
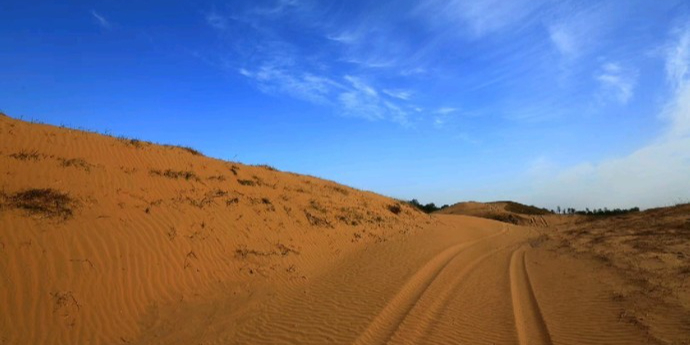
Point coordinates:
[[442, 115], [280, 65], [481, 17], [617, 81], [656, 174], [678, 76], [576, 29], [104, 23], [399, 94], [305, 86], [533, 59]]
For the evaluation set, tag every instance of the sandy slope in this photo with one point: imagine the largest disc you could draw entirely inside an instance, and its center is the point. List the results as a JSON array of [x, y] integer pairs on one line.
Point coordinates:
[[505, 211], [113, 241], [142, 228]]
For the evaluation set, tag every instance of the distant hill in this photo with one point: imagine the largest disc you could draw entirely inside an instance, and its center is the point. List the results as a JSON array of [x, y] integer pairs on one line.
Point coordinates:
[[503, 211]]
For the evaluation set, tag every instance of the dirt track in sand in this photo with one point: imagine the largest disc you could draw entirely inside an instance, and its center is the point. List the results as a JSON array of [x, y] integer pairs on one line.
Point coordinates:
[[464, 280]]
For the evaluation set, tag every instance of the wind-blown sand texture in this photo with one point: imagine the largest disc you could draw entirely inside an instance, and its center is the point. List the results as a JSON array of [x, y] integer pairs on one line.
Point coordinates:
[[116, 241]]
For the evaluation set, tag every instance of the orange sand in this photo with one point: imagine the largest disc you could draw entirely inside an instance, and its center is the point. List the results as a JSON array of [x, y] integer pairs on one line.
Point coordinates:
[[113, 241]]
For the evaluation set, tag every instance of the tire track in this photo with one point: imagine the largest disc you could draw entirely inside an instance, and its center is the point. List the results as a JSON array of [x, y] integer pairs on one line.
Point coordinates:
[[529, 322], [389, 319], [415, 328]]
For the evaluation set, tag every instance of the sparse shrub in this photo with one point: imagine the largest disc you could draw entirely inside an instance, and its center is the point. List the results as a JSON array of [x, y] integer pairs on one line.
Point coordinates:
[[247, 182], [131, 142], [186, 148], [285, 250], [187, 175], [76, 162], [267, 167], [26, 155], [396, 209], [340, 190], [207, 199], [258, 180], [317, 206], [317, 221], [428, 208], [48, 202], [220, 178]]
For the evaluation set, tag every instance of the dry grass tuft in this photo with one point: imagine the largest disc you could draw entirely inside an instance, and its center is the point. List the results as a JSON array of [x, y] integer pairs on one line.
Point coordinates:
[[267, 167], [317, 221], [132, 142], [187, 149], [47, 202], [77, 163], [26, 155], [187, 175]]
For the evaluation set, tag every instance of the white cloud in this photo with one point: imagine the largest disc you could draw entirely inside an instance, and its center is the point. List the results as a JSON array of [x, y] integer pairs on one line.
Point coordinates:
[[446, 110], [481, 17], [346, 37], [362, 100], [678, 76], [678, 60], [657, 174], [361, 86], [305, 86], [104, 23], [443, 116], [399, 94], [564, 39], [574, 31], [359, 104], [617, 81]]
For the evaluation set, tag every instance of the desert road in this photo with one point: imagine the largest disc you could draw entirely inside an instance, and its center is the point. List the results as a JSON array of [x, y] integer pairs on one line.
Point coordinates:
[[468, 281]]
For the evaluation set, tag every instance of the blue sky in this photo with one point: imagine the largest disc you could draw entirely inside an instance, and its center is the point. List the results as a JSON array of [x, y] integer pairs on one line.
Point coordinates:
[[570, 103]]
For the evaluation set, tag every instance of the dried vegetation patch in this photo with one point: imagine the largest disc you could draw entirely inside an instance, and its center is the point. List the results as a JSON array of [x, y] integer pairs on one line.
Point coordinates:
[[173, 174], [46, 202]]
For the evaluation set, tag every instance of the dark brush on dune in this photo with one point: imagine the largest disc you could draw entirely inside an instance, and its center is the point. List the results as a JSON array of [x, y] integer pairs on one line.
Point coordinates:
[[47, 202]]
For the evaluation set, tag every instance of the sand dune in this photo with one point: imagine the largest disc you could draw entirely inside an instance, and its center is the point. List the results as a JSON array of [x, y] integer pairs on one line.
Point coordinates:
[[116, 241], [504, 211]]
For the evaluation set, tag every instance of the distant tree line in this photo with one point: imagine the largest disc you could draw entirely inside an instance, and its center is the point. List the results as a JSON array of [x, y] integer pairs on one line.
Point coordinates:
[[428, 208], [597, 212]]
